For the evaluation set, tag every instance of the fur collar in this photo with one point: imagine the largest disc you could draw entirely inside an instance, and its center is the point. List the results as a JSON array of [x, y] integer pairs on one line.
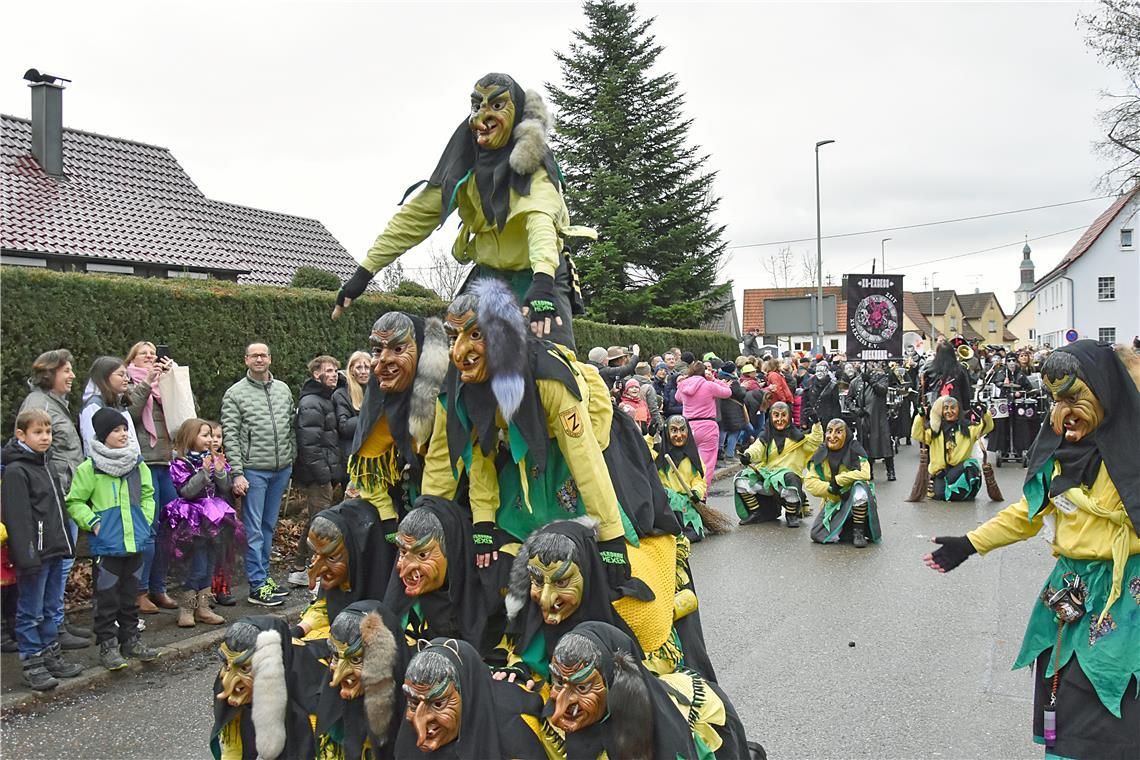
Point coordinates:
[[530, 135]]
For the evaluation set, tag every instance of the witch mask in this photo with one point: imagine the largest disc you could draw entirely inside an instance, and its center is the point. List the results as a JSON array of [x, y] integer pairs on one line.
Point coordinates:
[[780, 415], [236, 675], [346, 661], [329, 565], [577, 687], [1076, 411], [836, 435], [468, 348], [492, 113], [556, 587], [422, 562], [394, 352], [678, 432], [434, 701]]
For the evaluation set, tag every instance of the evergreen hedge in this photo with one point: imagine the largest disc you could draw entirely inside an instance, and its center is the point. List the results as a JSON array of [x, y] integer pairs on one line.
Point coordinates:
[[208, 323]]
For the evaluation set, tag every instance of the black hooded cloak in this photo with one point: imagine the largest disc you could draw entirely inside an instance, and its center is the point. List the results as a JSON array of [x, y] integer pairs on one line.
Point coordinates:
[[371, 559]]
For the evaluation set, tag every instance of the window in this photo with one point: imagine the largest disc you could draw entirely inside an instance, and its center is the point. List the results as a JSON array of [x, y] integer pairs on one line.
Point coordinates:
[[1032, 336], [1106, 288], [174, 273], [835, 344], [993, 325], [1106, 335], [1126, 239], [953, 324], [110, 268]]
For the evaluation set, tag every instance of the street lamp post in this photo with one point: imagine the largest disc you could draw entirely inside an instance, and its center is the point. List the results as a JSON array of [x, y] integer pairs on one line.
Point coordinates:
[[818, 254], [933, 329], [883, 252]]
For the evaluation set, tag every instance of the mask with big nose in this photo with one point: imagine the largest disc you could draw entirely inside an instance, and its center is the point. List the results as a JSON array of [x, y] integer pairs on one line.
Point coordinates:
[[836, 435]]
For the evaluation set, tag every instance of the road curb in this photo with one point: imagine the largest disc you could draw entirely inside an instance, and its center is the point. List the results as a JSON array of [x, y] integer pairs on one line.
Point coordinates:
[[94, 678]]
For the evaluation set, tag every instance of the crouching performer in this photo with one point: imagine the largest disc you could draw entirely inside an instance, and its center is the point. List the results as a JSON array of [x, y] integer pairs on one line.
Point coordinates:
[[1083, 636], [361, 696], [456, 710], [259, 707], [771, 483], [840, 475], [608, 704], [683, 476], [955, 474]]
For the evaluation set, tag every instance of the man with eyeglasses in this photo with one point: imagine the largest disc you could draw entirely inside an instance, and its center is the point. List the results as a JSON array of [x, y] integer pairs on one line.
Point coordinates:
[[261, 444]]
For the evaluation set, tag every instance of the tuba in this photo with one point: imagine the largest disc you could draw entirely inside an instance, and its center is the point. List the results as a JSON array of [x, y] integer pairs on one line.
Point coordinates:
[[963, 350]]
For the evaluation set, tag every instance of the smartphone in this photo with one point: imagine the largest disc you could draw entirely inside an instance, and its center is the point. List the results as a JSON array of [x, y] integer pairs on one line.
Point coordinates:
[[162, 351]]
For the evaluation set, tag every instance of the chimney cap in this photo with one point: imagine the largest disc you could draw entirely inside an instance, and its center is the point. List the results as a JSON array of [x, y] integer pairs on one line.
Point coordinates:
[[35, 77]]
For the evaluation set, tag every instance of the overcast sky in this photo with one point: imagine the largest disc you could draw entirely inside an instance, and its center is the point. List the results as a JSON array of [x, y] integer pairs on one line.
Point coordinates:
[[332, 109]]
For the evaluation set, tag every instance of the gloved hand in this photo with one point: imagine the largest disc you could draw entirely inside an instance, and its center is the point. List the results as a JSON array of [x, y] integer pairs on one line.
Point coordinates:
[[390, 528], [834, 487], [695, 497], [616, 560], [486, 540], [745, 459], [954, 551], [352, 289], [538, 305]]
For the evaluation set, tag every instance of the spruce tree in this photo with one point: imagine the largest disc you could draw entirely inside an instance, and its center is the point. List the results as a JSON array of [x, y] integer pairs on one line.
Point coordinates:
[[620, 138]]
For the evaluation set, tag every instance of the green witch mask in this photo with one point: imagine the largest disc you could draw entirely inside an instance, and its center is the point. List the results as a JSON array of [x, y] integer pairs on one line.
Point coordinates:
[[492, 115], [556, 587]]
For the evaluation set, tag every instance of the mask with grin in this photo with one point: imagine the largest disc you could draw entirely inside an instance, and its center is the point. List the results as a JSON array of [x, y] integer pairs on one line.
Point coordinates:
[[468, 348], [394, 352], [678, 431], [556, 587], [422, 561], [577, 687], [236, 675], [836, 435], [950, 409], [329, 565], [780, 415], [434, 701], [492, 113], [1077, 412]]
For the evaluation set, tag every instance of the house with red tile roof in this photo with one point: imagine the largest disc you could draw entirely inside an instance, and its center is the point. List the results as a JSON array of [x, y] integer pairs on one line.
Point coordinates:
[[72, 200], [793, 308], [1094, 290]]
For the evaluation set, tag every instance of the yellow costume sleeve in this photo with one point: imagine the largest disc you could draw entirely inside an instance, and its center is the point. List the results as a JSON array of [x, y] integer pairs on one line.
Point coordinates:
[[1008, 526], [568, 421], [315, 619], [410, 226], [983, 427], [484, 486], [817, 486], [848, 477], [438, 480], [543, 239], [379, 498], [601, 408], [758, 452], [919, 431]]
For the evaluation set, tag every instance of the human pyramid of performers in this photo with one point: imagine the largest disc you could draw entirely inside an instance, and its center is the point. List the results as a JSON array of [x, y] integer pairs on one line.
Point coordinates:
[[509, 573]]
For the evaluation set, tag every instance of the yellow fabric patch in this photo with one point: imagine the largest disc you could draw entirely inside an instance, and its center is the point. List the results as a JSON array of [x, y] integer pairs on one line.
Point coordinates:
[[572, 422], [379, 439], [654, 562]]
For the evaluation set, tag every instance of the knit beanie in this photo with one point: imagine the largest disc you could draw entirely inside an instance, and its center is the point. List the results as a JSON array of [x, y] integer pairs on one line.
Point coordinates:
[[687, 357], [106, 420]]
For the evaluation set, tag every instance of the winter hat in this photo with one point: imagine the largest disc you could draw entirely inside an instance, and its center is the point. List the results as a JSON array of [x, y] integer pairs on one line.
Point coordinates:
[[687, 357], [597, 355], [105, 421], [661, 365], [642, 368], [729, 368]]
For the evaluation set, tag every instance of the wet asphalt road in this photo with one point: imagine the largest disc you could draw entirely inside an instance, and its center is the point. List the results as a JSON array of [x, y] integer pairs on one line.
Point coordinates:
[[928, 676]]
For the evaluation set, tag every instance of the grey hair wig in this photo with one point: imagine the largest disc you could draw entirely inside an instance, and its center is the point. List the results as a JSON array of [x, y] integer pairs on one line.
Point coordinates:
[[428, 668], [241, 635], [576, 649], [548, 547], [345, 627], [325, 528], [421, 524]]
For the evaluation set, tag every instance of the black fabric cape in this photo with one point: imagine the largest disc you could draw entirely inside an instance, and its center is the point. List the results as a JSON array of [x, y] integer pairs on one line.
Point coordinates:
[[672, 736], [595, 594], [770, 433], [542, 363], [459, 608], [371, 559], [492, 170], [377, 404], [635, 480], [299, 744], [677, 453], [1114, 439], [354, 724], [490, 725]]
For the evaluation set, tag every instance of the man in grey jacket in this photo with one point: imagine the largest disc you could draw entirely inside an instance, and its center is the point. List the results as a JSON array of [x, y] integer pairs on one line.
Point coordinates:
[[52, 377], [257, 428]]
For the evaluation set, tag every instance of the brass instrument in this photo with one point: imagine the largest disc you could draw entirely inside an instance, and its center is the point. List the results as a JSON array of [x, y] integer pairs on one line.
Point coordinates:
[[963, 350]]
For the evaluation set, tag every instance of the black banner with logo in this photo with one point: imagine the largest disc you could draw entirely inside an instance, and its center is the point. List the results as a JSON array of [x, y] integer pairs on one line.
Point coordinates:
[[874, 316]]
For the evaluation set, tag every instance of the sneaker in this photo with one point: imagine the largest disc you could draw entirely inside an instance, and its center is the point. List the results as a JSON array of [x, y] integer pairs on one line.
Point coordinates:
[[276, 590], [135, 649], [109, 656], [298, 578], [57, 665], [263, 596], [68, 640], [35, 675]]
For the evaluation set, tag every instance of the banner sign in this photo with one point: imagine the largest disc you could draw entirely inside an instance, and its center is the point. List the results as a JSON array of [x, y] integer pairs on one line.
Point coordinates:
[[874, 316]]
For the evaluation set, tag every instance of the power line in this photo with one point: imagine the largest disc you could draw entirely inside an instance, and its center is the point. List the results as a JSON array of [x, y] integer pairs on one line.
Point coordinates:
[[923, 224], [987, 250]]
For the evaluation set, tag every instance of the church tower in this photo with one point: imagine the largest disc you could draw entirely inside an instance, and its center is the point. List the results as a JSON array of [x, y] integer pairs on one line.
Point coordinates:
[[1025, 288]]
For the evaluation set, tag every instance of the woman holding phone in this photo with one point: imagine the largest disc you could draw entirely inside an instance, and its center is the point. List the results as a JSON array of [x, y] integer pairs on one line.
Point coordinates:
[[146, 367]]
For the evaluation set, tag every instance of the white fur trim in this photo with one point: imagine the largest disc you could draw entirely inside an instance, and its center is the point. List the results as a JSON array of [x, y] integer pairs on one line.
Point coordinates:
[[530, 134], [270, 696], [430, 371]]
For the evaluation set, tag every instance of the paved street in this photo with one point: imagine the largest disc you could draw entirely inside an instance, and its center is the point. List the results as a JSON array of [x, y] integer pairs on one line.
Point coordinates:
[[928, 675]]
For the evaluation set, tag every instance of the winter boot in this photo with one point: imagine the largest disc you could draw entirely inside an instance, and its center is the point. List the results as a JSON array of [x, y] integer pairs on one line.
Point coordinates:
[[859, 526], [791, 516], [109, 656], [36, 676], [69, 640], [164, 601], [77, 630], [890, 468], [135, 649], [187, 605], [57, 666], [204, 614], [146, 606]]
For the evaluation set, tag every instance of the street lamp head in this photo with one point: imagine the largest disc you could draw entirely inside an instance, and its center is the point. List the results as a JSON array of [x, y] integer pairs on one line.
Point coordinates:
[[823, 142]]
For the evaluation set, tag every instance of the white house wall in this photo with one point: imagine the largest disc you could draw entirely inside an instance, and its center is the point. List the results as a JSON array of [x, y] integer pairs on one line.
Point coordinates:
[[1106, 259]]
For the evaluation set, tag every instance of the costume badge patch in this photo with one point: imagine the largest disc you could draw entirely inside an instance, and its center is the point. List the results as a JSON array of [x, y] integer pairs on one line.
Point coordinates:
[[572, 421]]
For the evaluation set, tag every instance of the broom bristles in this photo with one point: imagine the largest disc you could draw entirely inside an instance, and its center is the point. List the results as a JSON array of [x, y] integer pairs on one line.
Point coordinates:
[[716, 523], [918, 490], [991, 482]]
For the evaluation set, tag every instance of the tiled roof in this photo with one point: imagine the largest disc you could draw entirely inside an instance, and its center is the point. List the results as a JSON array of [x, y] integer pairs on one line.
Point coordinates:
[[1007, 336], [942, 299], [754, 304], [974, 304], [912, 310], [970, 333], [125, 201], [1085, 241]]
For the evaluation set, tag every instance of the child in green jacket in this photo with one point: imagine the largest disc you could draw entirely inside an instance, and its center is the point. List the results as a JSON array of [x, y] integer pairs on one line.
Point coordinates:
[[112, 496]]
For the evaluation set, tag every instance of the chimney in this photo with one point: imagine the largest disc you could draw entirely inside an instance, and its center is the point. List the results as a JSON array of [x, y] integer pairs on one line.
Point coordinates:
[[47, 120]]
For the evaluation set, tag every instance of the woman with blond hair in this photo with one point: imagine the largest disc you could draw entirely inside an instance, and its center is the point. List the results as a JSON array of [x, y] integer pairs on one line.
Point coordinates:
[[348, 399]]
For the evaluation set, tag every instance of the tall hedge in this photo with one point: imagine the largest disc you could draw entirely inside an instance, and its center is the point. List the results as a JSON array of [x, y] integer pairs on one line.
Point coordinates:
[[207, 325]]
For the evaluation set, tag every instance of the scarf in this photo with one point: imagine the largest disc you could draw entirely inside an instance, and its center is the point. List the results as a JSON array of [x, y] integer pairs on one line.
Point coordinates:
[[116, 462], [138, 375], [771, 434]]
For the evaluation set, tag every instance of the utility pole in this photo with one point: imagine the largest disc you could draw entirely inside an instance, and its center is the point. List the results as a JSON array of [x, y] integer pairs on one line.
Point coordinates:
[[818, 253]]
